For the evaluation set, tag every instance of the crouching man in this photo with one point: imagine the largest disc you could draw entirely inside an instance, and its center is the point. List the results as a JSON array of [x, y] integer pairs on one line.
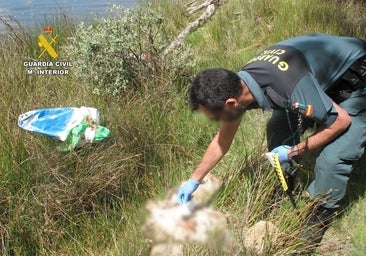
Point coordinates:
[[305, 80]]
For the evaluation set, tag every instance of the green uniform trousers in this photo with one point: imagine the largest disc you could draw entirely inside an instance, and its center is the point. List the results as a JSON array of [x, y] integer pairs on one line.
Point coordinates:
[[335, 160]]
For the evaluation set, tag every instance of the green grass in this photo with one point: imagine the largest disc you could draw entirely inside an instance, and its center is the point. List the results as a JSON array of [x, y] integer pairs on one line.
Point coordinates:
[[354, 225], [89, 202]]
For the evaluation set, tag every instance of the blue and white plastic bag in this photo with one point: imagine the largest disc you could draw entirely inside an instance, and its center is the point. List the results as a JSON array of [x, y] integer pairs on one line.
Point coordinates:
[[68, 124]]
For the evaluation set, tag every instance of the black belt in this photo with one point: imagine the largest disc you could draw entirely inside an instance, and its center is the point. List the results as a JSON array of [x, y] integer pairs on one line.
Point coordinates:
[[356, 74], [352, 80]]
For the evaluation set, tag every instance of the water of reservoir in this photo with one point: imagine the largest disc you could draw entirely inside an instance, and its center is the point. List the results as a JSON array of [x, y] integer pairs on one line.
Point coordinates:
[[32, 12]]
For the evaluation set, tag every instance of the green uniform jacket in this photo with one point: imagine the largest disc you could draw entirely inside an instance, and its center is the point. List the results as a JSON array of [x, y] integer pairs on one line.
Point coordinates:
[[294, 74]]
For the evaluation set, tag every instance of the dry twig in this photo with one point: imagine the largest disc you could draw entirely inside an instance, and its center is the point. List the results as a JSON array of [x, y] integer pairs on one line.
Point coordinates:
[[210, 10]]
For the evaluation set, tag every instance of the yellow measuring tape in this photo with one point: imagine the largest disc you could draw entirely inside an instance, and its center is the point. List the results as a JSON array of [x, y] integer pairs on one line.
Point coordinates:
[[279, 172], [275, 162]]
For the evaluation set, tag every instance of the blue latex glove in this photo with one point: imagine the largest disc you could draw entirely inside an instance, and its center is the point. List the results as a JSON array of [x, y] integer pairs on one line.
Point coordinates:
[[282, 152], [186, 190]]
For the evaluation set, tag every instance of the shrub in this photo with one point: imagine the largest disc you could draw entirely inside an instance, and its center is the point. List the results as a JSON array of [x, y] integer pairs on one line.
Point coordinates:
[[125, 50]]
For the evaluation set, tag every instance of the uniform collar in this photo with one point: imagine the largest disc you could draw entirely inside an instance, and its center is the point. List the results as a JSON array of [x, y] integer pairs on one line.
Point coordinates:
[[255, 89]]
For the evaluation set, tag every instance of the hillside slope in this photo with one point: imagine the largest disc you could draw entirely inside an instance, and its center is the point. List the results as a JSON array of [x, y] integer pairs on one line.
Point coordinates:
[[90, 201]]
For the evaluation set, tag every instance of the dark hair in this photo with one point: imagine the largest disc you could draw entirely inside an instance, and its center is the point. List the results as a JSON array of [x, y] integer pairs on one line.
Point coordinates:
[[212, 87]]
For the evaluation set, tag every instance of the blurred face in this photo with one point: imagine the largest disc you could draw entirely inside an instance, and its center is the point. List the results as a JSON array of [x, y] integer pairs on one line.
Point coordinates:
[[228, 114]]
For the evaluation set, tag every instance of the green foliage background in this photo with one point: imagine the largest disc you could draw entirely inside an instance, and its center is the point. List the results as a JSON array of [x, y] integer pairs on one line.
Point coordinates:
[[123, 51]]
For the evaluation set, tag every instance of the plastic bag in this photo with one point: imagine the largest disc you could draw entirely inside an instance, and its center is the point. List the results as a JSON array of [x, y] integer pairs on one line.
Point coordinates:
[[97, 134], [70, 125]]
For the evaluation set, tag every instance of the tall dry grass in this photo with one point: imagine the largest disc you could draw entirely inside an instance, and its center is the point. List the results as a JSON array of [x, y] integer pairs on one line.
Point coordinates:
[[88, 202]]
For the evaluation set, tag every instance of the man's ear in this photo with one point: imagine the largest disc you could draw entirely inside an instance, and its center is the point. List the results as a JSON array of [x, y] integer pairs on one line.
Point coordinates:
[[231, 103]]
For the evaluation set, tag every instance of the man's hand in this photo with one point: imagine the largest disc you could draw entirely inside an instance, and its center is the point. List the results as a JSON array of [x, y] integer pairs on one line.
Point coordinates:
[[283, 153], [186, 190]]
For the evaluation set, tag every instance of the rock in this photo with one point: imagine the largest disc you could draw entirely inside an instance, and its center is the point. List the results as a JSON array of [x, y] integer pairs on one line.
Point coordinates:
[[170, 249], [335, 243], [260, 234], [206, 192]]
